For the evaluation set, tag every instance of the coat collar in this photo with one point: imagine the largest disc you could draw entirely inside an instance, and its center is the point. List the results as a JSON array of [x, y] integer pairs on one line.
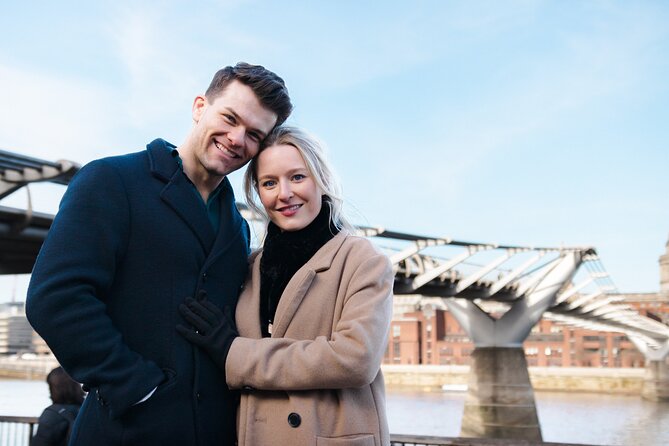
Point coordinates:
[[321, 261], [299, 284], [161, 160], [324, 257]]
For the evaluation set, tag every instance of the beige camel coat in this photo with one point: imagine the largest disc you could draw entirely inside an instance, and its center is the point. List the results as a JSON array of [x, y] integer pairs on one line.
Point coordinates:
[[317, 380]]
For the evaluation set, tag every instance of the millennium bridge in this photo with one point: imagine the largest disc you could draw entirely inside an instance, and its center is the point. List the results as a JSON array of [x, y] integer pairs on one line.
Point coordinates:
[[496, 292]]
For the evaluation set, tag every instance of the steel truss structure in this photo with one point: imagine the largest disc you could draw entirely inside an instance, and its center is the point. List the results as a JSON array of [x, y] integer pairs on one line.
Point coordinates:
[[494, 277], [17, 171], [22, 231]]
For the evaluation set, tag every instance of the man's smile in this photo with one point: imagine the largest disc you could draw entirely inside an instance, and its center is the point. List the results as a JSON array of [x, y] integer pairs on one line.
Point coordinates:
[[225, 150]]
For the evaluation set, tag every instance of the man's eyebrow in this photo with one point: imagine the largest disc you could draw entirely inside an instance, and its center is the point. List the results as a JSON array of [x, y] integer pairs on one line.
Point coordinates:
[[261, 134]]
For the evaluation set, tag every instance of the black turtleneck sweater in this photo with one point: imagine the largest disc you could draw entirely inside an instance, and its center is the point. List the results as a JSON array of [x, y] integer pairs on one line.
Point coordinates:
[[284, 252]]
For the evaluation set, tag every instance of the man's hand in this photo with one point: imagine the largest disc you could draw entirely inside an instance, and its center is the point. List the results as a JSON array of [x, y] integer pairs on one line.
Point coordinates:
[[213, 330]]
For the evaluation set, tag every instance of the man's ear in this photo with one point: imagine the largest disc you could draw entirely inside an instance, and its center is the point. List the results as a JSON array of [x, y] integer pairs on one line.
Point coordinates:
[[199, 105]]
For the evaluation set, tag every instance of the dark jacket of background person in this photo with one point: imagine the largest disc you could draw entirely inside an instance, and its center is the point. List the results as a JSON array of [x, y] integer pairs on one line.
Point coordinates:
[[55, 423], [317, 380], [130, 242]]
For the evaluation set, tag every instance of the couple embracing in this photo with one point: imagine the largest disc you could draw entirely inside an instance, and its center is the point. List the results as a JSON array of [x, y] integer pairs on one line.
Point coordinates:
[[145, 291]]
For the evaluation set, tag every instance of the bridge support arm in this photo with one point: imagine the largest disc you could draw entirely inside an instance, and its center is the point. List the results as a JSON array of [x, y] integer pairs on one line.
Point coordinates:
[[515, 325]]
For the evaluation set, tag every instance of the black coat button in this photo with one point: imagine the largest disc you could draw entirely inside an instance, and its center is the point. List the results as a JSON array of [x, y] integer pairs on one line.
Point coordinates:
[[99, 397], [294, 419]]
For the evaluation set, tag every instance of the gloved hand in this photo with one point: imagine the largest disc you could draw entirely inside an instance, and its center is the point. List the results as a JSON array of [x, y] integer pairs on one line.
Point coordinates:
[[213, 330]]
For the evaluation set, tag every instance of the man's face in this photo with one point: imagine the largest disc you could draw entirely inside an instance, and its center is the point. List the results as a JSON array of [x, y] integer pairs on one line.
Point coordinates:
[[228, 130]]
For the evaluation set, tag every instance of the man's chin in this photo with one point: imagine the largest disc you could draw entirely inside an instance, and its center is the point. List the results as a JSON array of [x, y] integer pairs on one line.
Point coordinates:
[[221, 171], [229, 168]]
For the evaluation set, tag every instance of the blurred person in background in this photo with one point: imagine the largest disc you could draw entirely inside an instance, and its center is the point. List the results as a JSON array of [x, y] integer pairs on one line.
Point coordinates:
[[55, 423]]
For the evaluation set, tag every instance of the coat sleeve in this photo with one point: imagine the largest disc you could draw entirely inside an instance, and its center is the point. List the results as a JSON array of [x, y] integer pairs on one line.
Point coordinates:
[[70, 285], [350, 358]]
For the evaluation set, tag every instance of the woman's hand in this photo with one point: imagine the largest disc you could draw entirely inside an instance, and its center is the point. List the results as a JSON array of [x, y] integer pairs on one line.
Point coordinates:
[[213, 330]]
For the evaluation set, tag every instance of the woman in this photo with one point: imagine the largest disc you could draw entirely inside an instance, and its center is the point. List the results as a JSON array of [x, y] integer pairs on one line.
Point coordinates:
[[55, 423], [313, 317]]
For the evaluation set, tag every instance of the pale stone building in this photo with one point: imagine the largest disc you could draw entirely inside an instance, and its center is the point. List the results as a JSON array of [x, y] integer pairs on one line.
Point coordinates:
[[664, 271], [16, 334]]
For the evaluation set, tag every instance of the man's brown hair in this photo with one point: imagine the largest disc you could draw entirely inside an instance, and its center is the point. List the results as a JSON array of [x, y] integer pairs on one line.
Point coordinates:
[[267, 86]]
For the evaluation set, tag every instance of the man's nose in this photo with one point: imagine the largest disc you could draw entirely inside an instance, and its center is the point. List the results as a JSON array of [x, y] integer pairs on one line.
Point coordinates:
[[236, 135]]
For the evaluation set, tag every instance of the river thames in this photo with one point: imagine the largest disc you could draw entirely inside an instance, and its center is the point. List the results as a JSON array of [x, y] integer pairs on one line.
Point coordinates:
[[585, 418]]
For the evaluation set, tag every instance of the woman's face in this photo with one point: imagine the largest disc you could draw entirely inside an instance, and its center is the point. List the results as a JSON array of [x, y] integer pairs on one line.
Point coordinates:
[[286, 188]]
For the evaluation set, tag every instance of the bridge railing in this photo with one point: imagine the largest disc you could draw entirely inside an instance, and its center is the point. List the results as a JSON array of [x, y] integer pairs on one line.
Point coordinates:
[[16, 431]]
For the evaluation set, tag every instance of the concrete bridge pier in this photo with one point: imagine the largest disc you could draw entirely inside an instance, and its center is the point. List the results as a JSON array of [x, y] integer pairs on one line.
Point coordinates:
[[656, 380], [500, 400]]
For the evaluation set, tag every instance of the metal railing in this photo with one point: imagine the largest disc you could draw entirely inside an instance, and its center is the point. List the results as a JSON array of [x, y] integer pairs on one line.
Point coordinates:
[[16, 431], [418, 440]]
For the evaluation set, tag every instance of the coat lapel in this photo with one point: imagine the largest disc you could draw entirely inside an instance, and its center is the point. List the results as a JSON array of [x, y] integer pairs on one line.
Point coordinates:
[[178, 193], [299, 284], [291, 299], [232, 224]]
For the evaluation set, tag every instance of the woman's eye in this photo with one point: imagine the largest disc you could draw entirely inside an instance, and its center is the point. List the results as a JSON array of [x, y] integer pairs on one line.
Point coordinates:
[[268, 183], [298, 177]]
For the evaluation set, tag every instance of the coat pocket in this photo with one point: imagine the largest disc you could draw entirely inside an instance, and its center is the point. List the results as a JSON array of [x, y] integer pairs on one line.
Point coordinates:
[[348, 440]]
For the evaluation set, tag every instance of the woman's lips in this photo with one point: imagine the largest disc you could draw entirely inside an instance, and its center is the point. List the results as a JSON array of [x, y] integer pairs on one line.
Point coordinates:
[[287, 211]]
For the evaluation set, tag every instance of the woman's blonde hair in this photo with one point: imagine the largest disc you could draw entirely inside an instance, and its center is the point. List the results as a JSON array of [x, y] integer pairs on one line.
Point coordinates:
[[313, 154]]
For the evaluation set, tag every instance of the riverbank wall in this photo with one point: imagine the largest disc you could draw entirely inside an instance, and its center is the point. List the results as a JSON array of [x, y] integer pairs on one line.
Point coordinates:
[[627, 381], [12, 367], [434, 377]]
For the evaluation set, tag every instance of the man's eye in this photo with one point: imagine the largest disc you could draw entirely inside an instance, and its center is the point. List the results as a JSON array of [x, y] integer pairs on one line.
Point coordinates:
[[231, 119], [254, 137]]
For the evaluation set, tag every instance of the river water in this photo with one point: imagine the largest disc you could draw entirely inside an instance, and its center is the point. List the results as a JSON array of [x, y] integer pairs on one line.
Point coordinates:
[[564, 417]]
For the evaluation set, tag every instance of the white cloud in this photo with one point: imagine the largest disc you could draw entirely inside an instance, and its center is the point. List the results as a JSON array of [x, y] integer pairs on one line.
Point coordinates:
[[53, 118]]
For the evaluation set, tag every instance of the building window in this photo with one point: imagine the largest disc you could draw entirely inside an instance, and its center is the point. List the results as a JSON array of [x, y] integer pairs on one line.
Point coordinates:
[[397, 329]]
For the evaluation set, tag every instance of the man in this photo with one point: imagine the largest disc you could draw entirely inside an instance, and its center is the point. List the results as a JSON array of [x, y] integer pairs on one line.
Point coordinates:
[[134, 236]]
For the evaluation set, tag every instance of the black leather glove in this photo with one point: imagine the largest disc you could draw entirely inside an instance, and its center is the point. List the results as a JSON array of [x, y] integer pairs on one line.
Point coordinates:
[[213, 330]]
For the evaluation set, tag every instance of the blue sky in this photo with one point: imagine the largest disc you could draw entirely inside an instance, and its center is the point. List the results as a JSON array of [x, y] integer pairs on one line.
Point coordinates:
[[518, 122]]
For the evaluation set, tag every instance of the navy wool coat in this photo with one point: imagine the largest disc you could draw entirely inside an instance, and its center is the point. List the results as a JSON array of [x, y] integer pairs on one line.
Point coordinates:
[[131, 240]]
